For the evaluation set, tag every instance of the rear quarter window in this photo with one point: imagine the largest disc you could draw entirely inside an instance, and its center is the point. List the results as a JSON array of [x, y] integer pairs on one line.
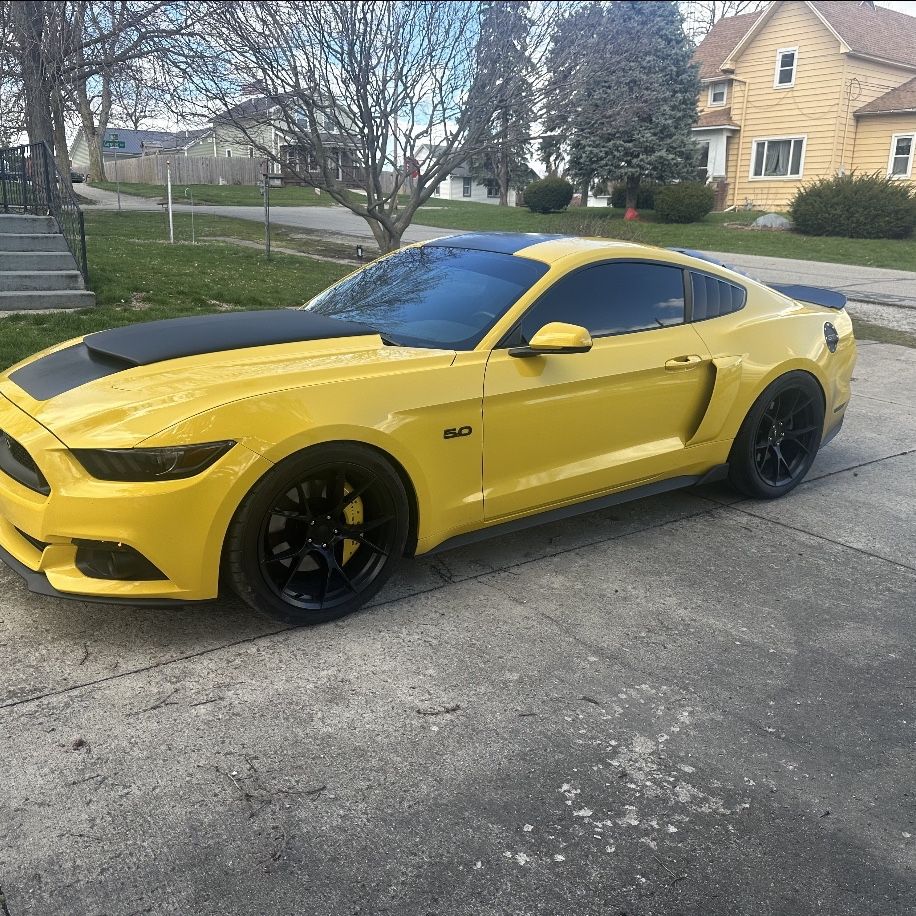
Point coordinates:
[[712, 297]]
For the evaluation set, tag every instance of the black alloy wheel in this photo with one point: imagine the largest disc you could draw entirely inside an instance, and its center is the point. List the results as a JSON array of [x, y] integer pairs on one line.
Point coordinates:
[[319, 535], [779, 438]]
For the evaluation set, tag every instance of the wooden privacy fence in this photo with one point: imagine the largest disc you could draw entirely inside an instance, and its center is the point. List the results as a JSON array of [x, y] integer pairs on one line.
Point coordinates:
[[185, 170]]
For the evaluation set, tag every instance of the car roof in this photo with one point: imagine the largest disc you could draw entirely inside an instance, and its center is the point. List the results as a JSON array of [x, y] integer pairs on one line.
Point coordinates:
[[544, 247]]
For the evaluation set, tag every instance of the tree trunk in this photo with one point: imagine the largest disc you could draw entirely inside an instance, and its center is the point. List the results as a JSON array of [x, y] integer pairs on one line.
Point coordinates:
[[583, 194], [28, 25], [388, 238], [632, 191], [93, 132], [503, 171], [61, 153]]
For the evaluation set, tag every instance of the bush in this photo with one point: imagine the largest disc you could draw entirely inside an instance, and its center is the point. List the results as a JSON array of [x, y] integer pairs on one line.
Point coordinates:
[[855, 206], [548, 194], [687, 202], [645, 196]]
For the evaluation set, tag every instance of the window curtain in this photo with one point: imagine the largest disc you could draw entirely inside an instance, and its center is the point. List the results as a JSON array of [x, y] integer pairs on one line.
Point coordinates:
[[777, 158]]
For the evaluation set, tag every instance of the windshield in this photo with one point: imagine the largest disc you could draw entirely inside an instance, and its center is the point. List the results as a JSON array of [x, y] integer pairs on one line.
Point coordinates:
[[445, 298]]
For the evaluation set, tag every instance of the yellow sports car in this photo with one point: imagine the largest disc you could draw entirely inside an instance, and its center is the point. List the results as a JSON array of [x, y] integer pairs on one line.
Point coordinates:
[[450, 391]]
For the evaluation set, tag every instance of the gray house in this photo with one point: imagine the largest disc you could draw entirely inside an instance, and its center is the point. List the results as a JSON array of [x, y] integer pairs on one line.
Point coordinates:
[[134, 143]]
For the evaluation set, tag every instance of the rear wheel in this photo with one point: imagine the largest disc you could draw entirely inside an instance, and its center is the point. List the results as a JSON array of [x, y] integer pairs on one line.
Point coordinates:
[[779, 439], [318, 535]]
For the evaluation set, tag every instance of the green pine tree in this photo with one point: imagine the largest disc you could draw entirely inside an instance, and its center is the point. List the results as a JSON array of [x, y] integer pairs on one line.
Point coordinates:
[[634, 120], [505, 67]]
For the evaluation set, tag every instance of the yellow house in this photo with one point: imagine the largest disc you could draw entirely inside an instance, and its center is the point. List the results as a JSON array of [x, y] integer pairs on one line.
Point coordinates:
[[805, 90]]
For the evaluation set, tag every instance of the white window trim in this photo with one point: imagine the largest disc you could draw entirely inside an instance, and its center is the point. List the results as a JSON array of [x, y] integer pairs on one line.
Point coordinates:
[[801, 164], [891, 156], [779, 53], [712, 86]]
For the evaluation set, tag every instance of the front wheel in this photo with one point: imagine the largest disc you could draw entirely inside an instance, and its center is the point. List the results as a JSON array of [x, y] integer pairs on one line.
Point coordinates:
[[779, 439], [318, 535]]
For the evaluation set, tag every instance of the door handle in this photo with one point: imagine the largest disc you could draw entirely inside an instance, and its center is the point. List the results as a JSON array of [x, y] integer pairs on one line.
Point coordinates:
[[683, 362]]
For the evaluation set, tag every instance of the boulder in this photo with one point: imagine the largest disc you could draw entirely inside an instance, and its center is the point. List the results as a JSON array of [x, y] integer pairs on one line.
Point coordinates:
[[772, 221]]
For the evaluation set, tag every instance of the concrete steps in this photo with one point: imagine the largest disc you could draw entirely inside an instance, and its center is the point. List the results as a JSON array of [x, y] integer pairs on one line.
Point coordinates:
[[36, 260], [37, 270], [26, 280], [32, 241]]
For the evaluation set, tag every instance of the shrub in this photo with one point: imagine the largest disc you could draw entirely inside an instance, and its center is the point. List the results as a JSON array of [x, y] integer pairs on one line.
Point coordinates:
[[645, 196], [548, 194], [856, 206], [687, 202]]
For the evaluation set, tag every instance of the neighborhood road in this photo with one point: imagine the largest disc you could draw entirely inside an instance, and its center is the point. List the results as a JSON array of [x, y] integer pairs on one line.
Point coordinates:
[[863, 284], [692, 704]]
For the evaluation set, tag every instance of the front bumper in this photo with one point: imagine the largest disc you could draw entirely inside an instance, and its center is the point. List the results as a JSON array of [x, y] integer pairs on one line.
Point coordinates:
[[179, 526]]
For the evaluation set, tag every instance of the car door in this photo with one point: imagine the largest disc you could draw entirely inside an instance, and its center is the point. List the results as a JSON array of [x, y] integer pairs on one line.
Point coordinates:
[[563, 427]]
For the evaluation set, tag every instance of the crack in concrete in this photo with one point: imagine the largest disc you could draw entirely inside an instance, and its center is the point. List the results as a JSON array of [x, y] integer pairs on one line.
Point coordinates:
[[423, 591], [479, 576], [737, 507]]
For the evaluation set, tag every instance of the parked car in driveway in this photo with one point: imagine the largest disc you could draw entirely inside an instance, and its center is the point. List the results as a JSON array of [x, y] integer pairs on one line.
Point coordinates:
[[454, 390]]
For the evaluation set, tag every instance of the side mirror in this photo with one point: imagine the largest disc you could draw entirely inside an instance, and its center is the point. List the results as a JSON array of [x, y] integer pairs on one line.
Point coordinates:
[[556, 337]]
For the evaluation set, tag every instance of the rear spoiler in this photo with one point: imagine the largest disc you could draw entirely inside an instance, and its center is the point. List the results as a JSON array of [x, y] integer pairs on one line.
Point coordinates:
[[816, 295]]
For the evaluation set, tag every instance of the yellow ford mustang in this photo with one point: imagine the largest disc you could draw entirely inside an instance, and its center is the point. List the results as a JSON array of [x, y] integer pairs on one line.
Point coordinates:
[[453, 390]]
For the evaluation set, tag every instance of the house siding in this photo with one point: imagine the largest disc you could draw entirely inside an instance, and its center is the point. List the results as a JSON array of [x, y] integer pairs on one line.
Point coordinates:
[[830, 86], [808, 109], [873, 141]]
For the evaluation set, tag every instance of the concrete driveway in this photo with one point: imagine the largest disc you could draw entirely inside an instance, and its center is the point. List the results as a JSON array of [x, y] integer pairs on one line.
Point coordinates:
[[687, 705]]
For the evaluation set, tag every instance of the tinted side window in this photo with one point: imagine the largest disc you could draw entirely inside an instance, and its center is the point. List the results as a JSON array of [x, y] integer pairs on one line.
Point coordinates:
[[612, 299], [713, 297]]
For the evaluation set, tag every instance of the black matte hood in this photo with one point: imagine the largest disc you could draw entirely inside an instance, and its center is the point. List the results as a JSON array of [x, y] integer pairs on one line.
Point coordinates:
[[108, 352]]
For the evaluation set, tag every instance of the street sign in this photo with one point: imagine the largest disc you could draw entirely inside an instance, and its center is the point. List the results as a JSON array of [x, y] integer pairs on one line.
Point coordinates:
[[114, 144]]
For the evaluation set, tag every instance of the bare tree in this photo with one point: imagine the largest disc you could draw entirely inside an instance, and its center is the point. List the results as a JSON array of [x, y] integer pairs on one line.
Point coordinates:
[[69, 53], [11, 113], [394, 90], [701, 15]]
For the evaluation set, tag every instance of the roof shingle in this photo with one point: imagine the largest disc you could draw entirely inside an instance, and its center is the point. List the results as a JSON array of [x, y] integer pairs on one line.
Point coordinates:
[[717, 117], [903, 98], [872, 31], [720, 41]]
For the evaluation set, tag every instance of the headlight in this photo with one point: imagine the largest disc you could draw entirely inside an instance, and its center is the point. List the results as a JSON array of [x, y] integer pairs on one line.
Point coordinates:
[[171, 463]]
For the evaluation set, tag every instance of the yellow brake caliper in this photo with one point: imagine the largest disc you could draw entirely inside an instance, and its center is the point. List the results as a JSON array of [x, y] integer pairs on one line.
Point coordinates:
[[353, 515]]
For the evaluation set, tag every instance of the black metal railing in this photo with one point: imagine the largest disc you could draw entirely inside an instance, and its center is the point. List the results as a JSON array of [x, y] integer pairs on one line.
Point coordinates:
[[30, 182]]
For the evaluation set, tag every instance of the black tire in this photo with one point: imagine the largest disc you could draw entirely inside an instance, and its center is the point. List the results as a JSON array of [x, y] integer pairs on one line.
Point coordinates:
[[779, 438], [294, 551]]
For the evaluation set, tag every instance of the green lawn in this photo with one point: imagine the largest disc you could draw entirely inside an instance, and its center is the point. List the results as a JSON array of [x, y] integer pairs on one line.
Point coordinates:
[[710, 235], [227, 195], [138, 276]]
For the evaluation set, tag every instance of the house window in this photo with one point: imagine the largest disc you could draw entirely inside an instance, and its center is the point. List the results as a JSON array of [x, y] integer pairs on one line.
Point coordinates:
[[778, 157], [492, 189], [786, 59], [465, 187], [251, 152], [718, 93], [900, 164], [703, 159], [228, 153]]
